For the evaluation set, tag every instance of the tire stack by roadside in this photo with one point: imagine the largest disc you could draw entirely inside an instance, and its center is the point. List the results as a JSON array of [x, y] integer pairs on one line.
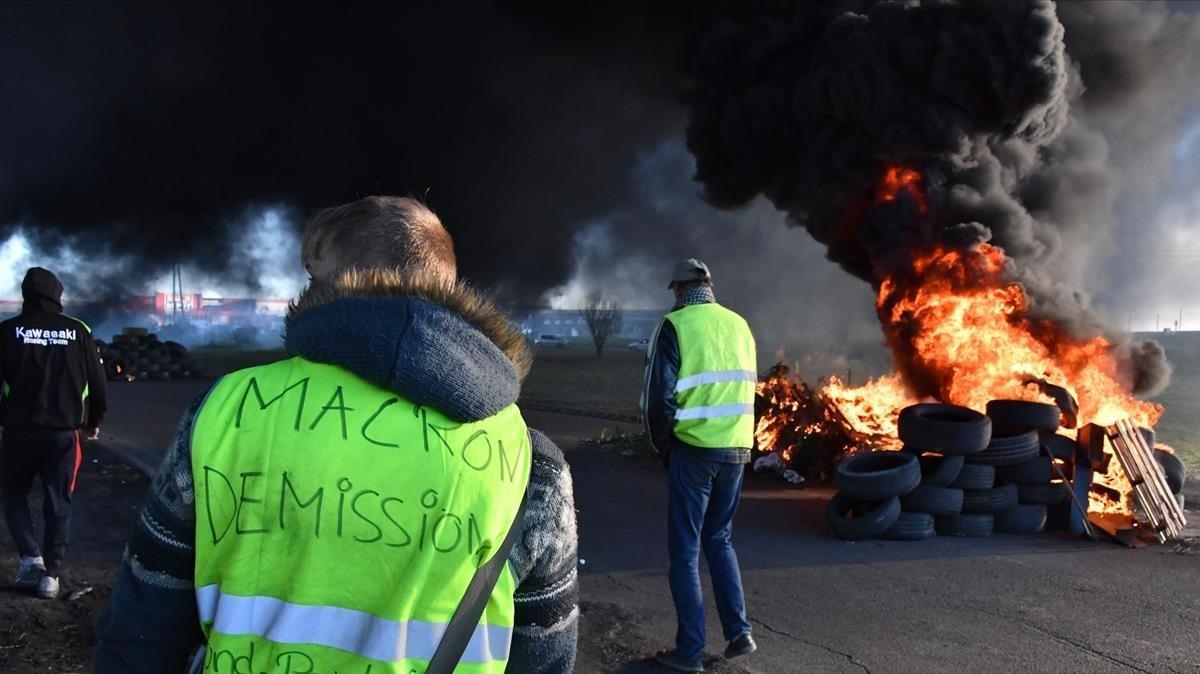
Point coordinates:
[[1030, 459], [908, 495], [963, 473], [138, 354], [945, 437], [870, 484]]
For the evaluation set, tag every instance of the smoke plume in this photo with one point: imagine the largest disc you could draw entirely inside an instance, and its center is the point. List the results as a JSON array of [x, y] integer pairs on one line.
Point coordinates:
[[810, 107]]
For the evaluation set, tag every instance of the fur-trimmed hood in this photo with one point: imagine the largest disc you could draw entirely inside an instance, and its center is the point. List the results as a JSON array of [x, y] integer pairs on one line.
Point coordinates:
[[436, 343]]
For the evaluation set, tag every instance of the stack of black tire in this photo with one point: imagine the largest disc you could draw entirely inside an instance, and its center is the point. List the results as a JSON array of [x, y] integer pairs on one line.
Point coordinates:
[[955, 496], [1030, 461], [867, 504], [138, 354]]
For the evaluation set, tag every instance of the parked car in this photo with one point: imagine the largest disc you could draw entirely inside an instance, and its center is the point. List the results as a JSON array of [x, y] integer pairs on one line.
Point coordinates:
[[640, 345], [557, 341]]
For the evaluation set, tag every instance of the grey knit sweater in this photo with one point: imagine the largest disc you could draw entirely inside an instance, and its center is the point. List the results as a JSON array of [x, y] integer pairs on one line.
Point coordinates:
[[441, 346]]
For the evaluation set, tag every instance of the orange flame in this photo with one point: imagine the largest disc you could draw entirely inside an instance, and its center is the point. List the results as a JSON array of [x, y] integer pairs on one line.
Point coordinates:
[[898, 178]]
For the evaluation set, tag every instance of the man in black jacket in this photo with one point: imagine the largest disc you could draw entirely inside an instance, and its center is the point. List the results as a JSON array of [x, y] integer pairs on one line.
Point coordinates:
[[53, 386]]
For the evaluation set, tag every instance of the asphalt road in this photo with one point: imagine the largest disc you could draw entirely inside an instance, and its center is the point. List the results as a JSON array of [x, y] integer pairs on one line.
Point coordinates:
[[1003, 603]]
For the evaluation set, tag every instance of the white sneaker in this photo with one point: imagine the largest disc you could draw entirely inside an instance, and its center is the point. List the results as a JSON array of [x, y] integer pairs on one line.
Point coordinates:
[[32, 570], [47, 587]]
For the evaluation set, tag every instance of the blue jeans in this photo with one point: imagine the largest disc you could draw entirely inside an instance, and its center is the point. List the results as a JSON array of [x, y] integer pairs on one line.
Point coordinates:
[[703, 496]]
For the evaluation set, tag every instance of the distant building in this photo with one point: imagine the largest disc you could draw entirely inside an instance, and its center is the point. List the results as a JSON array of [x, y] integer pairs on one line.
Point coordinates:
[[635, 323]]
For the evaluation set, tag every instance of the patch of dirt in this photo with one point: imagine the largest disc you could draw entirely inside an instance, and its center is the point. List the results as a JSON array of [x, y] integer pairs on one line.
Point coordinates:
[[39, 635], [611, 642]]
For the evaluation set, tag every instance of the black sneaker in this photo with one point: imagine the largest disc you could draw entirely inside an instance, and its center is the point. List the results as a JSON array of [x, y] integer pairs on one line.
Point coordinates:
[[677, 662], [743, 645]]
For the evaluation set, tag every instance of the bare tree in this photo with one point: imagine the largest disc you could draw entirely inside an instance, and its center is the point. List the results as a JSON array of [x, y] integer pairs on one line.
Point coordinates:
[[603, 316]]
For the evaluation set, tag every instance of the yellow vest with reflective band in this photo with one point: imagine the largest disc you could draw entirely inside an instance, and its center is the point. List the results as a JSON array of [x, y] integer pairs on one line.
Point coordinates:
[[714, 395], [338, 525]]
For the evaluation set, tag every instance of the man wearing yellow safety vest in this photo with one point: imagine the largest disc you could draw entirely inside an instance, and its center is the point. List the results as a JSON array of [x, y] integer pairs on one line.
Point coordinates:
[[374, 504], [698, 405]]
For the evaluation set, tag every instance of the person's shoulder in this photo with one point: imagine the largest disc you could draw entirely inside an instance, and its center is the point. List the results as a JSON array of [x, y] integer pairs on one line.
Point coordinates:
[[77, 323], [546, 455]]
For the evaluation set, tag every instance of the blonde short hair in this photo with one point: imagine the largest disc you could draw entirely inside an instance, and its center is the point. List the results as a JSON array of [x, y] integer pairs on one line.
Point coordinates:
[[398, 233]]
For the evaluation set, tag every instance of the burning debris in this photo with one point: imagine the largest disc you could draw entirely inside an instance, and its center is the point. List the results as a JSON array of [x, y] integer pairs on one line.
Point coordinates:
[[137, 354], [1031, 471], [917, 141]]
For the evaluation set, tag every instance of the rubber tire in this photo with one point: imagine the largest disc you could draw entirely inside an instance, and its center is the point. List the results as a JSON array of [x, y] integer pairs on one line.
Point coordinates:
[[987, 501], [1180, 500], [964, 525], [1174, 468], [1148, 435], [1021, 519], [1051, 493], [1023, 415], [933, 500], [1058, 516], [1060, 446], [1006, 450], [946, 429], [871, 476], [1038, 470], [975, 476], [939, 470], [910, 527], [874, 522]]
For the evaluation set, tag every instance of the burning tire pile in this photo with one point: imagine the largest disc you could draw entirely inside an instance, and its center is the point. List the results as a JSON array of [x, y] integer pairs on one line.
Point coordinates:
[[138, 354], [962, 473]]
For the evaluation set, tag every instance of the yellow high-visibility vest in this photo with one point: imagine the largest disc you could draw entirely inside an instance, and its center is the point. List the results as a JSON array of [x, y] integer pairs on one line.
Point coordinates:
[[338, 524], [714, 394]]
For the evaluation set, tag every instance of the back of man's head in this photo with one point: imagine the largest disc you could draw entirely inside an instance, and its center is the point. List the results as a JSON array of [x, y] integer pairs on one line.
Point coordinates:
[[378, 232]]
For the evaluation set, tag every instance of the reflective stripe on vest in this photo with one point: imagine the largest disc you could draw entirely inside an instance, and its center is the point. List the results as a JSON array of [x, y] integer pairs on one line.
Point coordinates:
[[714, 394], [714, 378], [352, 631], [338, 524], [714, 411]]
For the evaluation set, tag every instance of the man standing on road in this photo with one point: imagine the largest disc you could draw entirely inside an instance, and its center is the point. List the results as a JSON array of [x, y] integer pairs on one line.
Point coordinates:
[[53, 386], [698, 405], [333, 512]]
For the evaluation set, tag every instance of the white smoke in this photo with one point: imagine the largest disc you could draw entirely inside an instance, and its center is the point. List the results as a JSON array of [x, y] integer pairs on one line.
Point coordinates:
[[802, 308], [265, 263]]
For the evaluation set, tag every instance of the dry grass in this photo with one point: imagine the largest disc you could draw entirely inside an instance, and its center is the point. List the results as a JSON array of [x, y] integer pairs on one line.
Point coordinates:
[[575, 377]]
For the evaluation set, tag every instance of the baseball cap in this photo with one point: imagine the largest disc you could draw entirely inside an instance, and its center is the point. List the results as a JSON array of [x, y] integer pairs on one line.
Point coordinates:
[[690, 271]]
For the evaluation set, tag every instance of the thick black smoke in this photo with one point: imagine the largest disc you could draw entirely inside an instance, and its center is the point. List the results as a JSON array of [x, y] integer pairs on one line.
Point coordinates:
[[810, 106], [150, 127]]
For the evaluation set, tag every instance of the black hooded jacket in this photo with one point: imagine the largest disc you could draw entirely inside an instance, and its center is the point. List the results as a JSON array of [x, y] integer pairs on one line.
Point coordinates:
[[49, 365]]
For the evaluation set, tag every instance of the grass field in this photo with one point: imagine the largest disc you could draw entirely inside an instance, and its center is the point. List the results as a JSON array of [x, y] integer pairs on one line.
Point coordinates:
[[215, 361], [1180, 426], [575, 377]]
